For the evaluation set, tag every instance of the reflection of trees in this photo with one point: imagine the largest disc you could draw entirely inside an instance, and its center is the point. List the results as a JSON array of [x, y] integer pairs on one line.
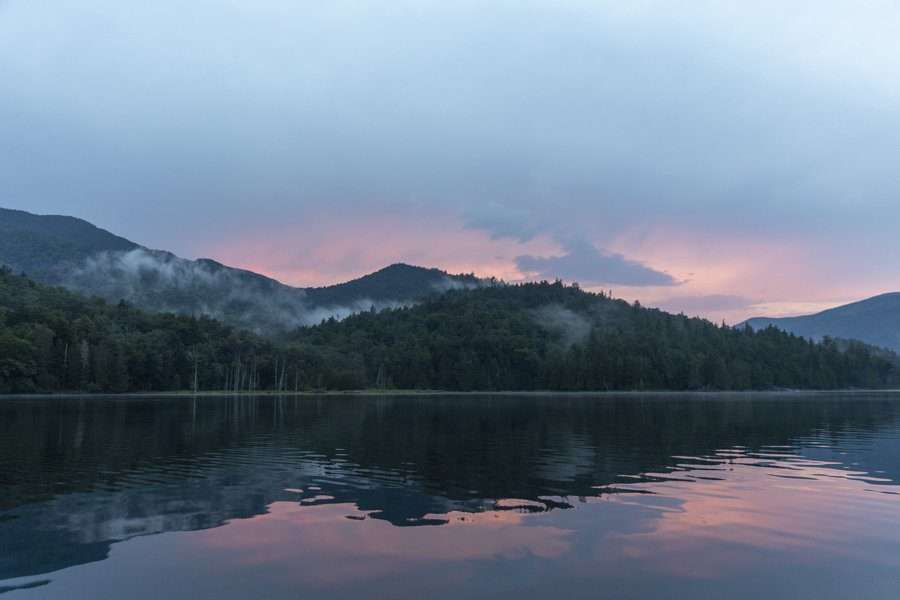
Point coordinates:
[[78, 475]]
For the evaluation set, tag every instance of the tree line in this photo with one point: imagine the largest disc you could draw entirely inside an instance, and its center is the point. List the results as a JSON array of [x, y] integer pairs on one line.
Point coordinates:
[[536, 336]]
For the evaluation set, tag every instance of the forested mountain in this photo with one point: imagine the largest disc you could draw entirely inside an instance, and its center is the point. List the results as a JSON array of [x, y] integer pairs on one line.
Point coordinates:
[[81, 257], [391, 283], [46, 246], [552, 336], [524, 337], [875, 321]]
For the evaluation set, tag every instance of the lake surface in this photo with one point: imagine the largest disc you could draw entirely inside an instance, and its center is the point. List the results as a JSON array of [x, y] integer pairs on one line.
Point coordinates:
[[732, 496]]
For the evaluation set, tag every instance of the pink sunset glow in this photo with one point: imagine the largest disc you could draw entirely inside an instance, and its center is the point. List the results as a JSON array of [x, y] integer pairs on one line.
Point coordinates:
[[333, 250], [741, 165], [721, 277]]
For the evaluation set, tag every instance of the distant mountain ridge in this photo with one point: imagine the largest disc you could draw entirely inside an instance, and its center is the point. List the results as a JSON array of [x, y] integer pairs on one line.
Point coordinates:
[[875, 321], [75, 254]]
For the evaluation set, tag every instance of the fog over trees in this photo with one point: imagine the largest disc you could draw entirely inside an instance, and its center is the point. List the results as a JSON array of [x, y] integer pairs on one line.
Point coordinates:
[[540, 336]]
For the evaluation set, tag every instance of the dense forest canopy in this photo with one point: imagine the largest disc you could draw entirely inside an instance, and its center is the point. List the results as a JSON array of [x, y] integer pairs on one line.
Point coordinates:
[[502, 337]]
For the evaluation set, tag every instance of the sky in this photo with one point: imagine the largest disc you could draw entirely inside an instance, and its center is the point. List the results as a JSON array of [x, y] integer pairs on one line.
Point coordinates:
[[726, 159]]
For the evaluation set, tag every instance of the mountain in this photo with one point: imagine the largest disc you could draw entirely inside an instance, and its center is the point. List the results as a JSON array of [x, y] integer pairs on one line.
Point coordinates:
[[390, 284], [551, 336], [75, 254], [875, 321], [45, 246], [536, 336]]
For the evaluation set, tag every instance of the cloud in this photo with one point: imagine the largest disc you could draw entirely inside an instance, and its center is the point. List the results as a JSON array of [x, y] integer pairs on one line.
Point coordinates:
[[583, 262], [163, 282], [529, 120], [503, 221]]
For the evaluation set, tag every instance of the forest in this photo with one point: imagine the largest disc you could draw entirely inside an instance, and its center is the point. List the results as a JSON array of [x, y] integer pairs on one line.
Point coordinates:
[[534, 336]]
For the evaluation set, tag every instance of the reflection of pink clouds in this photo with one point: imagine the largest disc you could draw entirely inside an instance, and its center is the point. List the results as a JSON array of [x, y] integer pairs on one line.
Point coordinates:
[[334, 250], [755, 534], [318, 545], [723, 526]]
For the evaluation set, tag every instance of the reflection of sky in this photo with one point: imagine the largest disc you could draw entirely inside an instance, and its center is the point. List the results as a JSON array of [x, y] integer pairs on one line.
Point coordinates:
[[737, 524], [804, 510], [406, 495]]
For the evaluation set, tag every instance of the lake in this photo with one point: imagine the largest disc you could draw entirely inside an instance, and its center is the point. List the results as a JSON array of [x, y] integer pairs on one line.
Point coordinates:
[[534, 496]]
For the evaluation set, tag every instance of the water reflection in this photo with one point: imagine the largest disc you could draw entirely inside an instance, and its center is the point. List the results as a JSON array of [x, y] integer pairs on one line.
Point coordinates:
[[429, 496]]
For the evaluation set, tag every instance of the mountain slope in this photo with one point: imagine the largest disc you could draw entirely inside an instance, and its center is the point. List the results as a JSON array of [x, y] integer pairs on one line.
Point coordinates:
[[874, 321], [43, 246], [81, 257], [550, 336], [389, 284]]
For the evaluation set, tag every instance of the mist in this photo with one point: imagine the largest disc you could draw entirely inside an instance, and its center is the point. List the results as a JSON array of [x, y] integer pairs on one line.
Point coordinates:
[[571, 327], [162, 282]]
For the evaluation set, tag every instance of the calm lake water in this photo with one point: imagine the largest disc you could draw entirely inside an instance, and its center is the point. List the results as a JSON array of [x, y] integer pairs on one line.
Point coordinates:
[[732, 496]]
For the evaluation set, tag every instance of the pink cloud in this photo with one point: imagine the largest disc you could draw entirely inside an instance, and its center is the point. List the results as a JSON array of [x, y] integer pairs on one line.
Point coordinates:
[[725, 276], [773, 275]]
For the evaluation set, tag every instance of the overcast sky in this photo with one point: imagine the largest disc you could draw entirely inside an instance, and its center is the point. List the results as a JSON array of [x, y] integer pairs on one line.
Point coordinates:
[[721, 158]]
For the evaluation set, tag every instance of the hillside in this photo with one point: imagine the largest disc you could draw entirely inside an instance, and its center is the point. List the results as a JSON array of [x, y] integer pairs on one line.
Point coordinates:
[[45, 246], [77, 255], [874, 321], [526, 337], [397, 281], [552, 336]]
